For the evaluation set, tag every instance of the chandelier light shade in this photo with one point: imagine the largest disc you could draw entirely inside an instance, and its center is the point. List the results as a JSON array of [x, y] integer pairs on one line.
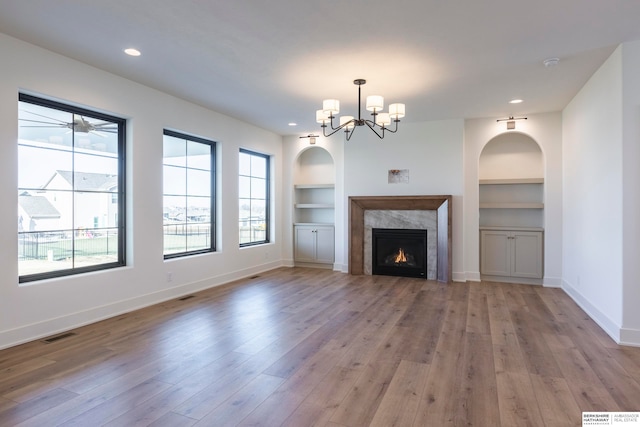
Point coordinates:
[[384, 119], [322, 117], [396, 111], [331, 106], [374, 103]]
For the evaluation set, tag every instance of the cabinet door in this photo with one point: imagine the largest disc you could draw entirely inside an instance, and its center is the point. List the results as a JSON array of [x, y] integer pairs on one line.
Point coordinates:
[[495, 254], [527, 254], [305, 243], [325, 247]]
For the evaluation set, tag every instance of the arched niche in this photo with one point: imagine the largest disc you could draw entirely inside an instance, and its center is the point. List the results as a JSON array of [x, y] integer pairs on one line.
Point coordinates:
[[511, 155], [314, 165]]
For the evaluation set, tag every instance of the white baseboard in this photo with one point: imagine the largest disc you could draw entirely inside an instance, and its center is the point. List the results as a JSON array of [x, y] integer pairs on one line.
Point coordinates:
[[472, 276], [39, 330], [609, 326], [630, 337], [552, 282], [288, 263], [457, 276]]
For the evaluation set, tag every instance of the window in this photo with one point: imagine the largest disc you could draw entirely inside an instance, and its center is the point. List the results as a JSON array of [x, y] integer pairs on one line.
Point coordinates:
[[254, 198], [188, 207], [71, 181]]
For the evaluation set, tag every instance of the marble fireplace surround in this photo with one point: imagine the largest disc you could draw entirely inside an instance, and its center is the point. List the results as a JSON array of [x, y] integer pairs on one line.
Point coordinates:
[[441, 204]]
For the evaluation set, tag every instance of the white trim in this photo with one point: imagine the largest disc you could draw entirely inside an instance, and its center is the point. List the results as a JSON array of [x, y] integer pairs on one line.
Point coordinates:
[[630, 337], [343, 268], [552, 282], [596, 315], [472, 276]]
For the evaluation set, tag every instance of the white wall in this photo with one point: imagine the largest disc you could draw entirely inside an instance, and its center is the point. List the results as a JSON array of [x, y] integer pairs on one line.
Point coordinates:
[[41, 308], [593, 196], [546, 131], [630, 332]]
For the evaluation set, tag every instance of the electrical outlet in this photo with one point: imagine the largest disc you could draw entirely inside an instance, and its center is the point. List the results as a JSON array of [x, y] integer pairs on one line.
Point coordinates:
[[169, 276]]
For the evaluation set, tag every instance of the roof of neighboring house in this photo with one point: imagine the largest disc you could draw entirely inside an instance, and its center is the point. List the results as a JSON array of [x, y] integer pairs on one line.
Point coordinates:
[[87, 181], [37, 207]]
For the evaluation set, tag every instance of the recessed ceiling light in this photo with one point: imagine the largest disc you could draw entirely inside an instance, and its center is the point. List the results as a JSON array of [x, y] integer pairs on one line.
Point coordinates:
[[551, 62], [515, 101], [132, 52], [293, 124]]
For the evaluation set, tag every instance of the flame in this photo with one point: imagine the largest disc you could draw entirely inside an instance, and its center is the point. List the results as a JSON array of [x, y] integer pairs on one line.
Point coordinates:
[[400, 256]]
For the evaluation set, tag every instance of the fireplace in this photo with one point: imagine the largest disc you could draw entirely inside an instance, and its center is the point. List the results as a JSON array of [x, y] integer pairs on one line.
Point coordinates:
[[399, 252], [359, 205]]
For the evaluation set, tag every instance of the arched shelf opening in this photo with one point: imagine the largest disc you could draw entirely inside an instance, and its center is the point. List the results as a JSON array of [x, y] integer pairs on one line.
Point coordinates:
[[314, 212], [511, 203], [314, 187], [511, 182]]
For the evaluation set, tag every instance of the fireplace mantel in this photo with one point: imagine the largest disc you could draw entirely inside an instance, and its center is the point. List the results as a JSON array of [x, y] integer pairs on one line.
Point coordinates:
[[359, 204]]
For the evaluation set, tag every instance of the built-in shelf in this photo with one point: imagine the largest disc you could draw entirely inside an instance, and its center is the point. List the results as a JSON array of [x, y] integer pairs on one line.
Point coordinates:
[[501, 228], [314, 205], [507, 181], [511, 205], [312, 186]]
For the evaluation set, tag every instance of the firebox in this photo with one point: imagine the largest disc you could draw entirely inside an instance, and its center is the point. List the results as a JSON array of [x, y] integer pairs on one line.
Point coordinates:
[[399, 252]]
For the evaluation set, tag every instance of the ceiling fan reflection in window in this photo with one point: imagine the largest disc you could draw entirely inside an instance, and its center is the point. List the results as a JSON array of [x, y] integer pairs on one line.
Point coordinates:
[[79, 124]]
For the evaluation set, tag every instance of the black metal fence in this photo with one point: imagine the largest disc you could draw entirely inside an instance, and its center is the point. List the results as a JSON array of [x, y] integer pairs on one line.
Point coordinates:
[[62, 244], [186, 237]]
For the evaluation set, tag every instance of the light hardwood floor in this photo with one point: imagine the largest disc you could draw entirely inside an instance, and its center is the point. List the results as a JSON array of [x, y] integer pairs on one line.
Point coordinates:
[[302, 347]]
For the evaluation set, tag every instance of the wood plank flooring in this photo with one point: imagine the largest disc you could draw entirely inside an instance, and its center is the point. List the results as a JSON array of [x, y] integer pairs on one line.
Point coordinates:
[[306, 347]]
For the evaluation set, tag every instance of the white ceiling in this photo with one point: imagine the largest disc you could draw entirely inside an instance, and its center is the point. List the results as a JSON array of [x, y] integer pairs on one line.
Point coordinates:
[[273, 62]]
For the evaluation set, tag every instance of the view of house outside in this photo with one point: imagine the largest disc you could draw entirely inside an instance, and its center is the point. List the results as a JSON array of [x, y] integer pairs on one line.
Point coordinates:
[[187, 194], [253, 197], [67, 190]]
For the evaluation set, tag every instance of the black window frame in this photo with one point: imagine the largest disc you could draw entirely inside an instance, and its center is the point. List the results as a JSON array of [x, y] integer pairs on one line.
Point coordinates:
[[121, 193], [267, 219], [212, 144]]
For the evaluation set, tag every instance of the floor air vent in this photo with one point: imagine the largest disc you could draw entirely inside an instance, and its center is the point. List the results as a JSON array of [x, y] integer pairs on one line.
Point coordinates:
[[58, 337], [254, 277], [186, 298]]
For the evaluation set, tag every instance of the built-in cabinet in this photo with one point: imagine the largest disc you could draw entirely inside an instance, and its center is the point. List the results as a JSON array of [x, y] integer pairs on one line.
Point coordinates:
[[314, 243], [313, 209], [511, 210], [511, 252]]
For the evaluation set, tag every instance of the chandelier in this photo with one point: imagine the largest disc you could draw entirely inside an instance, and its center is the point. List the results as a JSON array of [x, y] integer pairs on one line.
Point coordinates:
[[375, 103]]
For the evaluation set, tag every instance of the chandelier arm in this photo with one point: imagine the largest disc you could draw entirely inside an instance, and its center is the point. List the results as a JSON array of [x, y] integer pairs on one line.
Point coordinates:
[[324, 131], [372, 126], [334, 130], [349, 133], [396, 128]]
